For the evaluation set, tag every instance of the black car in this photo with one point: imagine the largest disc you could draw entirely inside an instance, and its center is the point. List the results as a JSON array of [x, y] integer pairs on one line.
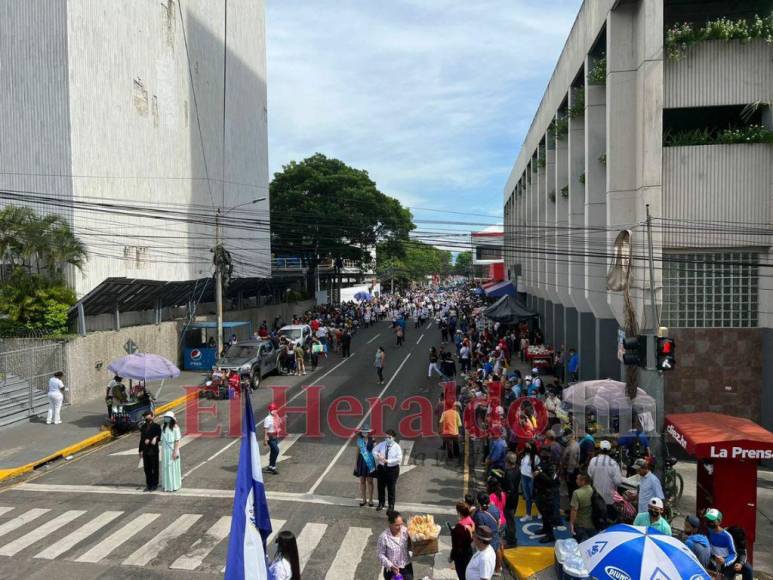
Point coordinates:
[[257, 358]]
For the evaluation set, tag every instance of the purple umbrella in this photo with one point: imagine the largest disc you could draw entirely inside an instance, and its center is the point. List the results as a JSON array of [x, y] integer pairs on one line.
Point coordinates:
[[146, 367]]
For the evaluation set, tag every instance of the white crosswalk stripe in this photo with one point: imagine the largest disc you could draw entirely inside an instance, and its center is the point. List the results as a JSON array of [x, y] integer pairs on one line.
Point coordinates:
[[150, 550], [308, 539], [75, 538], [349, 554], [117, 538], [40, 532], [157, 546], [201, 548], [21, 520]]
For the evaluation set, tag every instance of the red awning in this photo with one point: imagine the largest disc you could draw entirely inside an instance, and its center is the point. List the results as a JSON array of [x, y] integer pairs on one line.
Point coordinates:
[[716, 436]]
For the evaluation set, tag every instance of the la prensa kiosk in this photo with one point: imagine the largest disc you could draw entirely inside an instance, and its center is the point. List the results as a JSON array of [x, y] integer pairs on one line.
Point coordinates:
[[728, 450]]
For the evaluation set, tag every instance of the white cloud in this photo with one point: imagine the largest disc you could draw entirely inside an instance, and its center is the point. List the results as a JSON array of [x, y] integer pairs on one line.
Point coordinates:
[[431, 97]]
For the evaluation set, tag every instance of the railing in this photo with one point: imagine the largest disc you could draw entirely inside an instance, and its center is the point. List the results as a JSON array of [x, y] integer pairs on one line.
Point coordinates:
[[34, 366], [287, 263]]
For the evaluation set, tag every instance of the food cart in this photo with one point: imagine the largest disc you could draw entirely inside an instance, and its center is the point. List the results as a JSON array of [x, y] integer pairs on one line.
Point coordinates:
[[541, 357], [728, 450]]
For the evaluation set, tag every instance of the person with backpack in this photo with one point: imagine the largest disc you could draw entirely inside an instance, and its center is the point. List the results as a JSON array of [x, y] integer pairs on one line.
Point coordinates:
[[606, 476], [581, 524], [511, 486], [545, 482], [488, 515]]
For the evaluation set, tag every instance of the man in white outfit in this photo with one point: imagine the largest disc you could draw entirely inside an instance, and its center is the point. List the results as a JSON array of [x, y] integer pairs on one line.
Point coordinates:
[[56, 390]]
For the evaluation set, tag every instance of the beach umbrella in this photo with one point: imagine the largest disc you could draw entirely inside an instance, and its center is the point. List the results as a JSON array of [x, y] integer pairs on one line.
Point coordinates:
[[624, 552], [143, 366]]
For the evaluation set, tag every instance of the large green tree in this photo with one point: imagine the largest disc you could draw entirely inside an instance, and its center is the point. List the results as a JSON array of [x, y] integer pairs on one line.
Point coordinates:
[[463, 264], [413, 263], [323, 209], [33, 250]]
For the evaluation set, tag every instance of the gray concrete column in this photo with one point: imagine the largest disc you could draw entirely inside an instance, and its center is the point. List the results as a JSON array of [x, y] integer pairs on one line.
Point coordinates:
[[606, 339], [571, 327], [587, 347], [549, 330], [558, 325]]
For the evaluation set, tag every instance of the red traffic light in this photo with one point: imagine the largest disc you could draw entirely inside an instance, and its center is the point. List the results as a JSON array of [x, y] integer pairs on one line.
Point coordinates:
[[666, 346]]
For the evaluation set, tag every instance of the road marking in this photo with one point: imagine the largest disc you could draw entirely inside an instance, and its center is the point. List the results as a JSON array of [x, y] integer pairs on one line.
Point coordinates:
[[19, 521], [276, 527], [356, 429], [349, 554], [429, 326], [117, 538], [418, 341], [374, 338], [211, 457], [308, 540], [5, 510], [284, 445], [405, 465], [183, 442], [220, 494], [144, 555], [40, 532], [303, 392], [201, 548], [71, 540]]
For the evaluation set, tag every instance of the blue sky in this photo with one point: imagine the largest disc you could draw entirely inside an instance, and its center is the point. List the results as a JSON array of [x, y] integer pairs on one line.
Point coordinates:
[[431, 97]]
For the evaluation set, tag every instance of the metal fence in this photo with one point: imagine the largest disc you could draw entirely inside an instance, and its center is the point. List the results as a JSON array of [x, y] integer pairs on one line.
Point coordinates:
[[32, 362]]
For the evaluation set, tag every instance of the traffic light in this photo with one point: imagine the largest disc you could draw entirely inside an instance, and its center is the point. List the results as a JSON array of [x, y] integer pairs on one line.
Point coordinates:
[[635, 351], [666, 360]]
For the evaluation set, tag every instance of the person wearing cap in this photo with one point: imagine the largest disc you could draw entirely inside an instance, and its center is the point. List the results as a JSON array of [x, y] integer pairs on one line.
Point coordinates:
[[724, 552], [653, 517], [365, 465], [697, 542], [171, 468], [649, 485], [271, 428], [482, 566], [606, 475], [150, 436]]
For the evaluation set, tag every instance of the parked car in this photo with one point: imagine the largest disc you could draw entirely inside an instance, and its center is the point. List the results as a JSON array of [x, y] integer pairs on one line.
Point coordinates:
[[297, 333], [257, 358]]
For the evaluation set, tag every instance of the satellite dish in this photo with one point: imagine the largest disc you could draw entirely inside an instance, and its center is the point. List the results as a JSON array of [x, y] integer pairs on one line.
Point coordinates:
[[620, 270]]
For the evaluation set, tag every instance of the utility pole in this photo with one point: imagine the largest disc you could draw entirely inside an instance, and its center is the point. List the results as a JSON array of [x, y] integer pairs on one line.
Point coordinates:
[[654, 306], [219, 282]]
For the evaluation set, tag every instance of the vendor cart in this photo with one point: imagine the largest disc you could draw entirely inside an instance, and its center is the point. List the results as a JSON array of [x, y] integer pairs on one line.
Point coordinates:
[[541, 357], [131, 414]]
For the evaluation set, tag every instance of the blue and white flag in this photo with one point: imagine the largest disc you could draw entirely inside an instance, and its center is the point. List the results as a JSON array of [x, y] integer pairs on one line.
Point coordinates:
[[250, 524]]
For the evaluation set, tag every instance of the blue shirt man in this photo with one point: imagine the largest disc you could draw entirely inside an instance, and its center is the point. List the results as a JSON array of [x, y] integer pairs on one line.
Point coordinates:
[[649, 486], [496, 456], [574, 362]]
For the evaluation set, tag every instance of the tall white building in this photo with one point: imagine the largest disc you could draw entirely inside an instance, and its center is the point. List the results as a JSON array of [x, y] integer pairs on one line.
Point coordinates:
[[154, 104], [620, 128]]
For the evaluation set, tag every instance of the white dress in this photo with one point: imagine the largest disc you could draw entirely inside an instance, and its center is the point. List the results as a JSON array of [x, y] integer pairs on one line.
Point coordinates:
[[280, 570]]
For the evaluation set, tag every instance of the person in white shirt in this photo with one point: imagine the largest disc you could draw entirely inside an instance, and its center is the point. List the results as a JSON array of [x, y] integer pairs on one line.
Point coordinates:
[[606, 475], [388, 456], [56, 390], [286, 564], [484, 560], [271, 431]]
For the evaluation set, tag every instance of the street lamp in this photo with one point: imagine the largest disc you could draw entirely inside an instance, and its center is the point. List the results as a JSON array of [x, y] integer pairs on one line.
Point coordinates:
[[219, 263]]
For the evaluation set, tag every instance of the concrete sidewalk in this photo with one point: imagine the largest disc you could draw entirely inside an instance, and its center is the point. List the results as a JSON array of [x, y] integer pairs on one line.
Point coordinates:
[[26, 445]]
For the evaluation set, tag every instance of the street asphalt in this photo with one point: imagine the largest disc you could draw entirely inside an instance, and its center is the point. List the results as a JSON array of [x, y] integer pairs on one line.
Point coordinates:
[[89, 517]]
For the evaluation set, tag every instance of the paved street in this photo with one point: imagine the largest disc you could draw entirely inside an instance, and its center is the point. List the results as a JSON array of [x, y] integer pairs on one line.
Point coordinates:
[[89, 518]]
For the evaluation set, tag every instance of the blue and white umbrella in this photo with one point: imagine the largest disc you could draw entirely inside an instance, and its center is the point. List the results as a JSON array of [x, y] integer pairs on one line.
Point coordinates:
[[363, 296], [624, 552]]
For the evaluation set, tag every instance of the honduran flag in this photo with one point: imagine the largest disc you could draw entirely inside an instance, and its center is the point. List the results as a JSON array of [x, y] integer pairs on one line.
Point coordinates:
[[250, 524]]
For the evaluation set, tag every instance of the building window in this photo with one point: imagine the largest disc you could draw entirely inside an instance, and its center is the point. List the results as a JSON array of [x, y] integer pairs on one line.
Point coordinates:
[[488, 253], [711, 289]]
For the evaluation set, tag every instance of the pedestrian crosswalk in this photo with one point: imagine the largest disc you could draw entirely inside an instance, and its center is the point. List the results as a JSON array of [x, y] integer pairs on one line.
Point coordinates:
[[177, 541]]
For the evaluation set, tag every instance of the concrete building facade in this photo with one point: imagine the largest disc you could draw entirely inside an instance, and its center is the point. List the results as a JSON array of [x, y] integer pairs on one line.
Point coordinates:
[[608, 142], [136, 121]]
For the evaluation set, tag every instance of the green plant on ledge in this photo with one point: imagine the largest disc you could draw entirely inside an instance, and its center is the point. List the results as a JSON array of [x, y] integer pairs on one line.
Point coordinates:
[[581, 179], [560, 126], [750, 135], [541, 162], [679, 37], [565, 192], [598, 73], [603, 159], [552, 196], [578, 103]]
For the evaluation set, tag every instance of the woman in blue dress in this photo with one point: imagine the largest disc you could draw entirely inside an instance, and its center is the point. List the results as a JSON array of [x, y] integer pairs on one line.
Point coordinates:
[[365, 466]]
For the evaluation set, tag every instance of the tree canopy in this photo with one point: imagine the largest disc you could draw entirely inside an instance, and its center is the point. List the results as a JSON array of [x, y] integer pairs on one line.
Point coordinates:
[[463, 264], [33, 250], [416, 261], [322, 208]]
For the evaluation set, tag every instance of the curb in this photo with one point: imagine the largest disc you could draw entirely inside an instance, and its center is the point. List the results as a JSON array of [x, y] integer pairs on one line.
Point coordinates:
[[100, 437]]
